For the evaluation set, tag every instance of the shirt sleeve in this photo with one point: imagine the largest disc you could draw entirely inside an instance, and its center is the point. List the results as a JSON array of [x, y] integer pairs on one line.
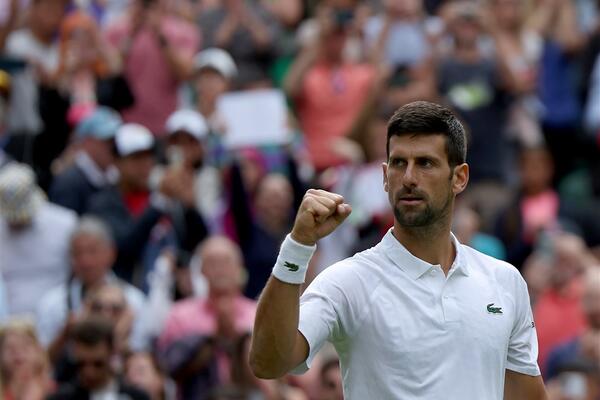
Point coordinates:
[[523, 345]]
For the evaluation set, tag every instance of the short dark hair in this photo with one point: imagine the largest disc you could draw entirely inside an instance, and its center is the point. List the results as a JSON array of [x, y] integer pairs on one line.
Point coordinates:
[[93, 331], [425, 118]]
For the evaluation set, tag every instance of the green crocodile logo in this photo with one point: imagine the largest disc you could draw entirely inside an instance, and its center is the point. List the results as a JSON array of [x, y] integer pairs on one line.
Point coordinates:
[[494, 310], [290, 266]]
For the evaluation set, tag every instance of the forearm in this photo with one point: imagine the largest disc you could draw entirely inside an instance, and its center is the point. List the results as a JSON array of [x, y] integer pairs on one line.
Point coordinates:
[[293, 82], [275, 330], [259, 32], [179, 65], [225, 32]]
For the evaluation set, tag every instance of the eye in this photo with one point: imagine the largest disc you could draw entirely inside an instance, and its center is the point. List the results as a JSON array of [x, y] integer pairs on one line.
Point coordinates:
[[396, 162], [426, 162]]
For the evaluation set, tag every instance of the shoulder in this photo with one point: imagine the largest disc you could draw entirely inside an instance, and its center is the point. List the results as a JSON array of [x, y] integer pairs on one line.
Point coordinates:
[[17, 40], [69, 179], [64, 217], [132, 392], [183, 308], [504, 273], [134, 295], [105, 196]]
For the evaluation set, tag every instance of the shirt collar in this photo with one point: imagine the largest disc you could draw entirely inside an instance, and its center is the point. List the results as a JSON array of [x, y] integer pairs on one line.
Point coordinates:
[[414, 266], [92, 171]]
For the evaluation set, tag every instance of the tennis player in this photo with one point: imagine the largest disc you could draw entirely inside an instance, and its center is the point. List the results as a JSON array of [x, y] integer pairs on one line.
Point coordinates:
[[418, 316]]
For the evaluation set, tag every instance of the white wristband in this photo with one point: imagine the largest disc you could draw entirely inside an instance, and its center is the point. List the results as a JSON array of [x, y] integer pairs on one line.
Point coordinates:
[[292, 261]]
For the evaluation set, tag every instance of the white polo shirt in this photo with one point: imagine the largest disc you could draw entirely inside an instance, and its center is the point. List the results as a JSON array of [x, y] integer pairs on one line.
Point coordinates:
[[403, 330]]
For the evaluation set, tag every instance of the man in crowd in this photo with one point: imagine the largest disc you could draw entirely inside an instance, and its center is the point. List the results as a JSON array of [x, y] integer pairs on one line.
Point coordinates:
[[417, 316], [34, 237], [93, 167]]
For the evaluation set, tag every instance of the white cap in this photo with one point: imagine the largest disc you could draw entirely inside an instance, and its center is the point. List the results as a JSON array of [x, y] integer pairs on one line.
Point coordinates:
[[133, 138], [217, 59], [188, 121]]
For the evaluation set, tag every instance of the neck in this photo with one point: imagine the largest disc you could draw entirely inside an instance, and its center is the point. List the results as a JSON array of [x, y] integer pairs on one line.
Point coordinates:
[[430, 243]]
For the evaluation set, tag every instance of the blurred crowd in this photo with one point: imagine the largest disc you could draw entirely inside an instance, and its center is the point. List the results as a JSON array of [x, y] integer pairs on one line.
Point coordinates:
[[135, 238]]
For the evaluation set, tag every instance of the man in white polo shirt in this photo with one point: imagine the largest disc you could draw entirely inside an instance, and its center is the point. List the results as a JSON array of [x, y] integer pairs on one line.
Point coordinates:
[[418, 316]]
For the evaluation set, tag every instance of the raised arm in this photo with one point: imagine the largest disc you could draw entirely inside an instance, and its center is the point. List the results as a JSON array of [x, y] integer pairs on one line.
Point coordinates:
[[277, 345]]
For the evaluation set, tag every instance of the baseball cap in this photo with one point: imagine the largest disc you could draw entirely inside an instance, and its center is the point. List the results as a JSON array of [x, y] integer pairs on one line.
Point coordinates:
[[101, 124], [133, 138], [217, 59], [20, 196], [188, 121]]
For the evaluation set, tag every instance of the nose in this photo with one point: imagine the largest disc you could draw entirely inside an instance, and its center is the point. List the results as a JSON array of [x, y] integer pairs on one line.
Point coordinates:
[[410, 176]]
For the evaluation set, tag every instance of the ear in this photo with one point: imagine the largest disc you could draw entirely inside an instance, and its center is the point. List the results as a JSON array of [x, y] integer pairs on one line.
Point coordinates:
[[385, 181], [460, 178]]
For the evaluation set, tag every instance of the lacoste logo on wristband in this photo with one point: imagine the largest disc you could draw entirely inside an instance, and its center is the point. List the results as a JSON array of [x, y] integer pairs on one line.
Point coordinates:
[[291, 267], [494, 310]]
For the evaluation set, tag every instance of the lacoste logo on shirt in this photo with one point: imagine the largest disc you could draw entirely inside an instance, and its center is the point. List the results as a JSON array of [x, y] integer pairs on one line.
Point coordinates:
[[494, 310], [291, 267]]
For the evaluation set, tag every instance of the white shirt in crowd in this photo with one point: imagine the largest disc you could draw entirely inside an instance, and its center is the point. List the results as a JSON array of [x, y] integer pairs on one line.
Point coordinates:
[[403, 330], [35, 259]]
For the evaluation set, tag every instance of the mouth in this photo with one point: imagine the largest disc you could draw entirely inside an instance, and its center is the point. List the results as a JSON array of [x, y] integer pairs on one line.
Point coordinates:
[[410, 200]]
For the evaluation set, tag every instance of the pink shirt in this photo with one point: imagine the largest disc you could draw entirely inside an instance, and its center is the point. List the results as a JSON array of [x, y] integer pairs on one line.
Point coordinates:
[[330, 100], [153, 84], [196, 316]]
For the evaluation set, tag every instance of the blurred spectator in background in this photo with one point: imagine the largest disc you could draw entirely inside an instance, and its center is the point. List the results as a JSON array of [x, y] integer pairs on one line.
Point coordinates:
[[214, 73], [575, 381], [471, 82], [586, 346], [10, 22], [328, 91], [92, 256], [331, 381], [246, 31], [93, 167], [135, 213], [141, 370], [24, 368], [156, 47], [558, 313], [399, 37], [34, 237], [466, 226], [4, 103], [197, 343], [187, 148], [261, 220], [96, 377]]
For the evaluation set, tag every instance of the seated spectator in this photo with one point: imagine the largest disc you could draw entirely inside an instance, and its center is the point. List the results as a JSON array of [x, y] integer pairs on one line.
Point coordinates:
[[196, 344], [558, 314], [34, 237], [24, 367], [93, 167], [328, 91], [466, 226], [156, 47], [92, 256], [133, 212], [586, 346], [96, 378], [141, 370], [246, 31]]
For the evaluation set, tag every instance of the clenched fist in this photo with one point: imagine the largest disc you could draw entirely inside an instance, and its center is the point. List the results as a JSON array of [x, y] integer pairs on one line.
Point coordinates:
[[320, 213]]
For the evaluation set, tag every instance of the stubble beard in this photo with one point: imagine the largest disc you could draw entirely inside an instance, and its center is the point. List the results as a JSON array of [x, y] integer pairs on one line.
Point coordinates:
[[425, 218]]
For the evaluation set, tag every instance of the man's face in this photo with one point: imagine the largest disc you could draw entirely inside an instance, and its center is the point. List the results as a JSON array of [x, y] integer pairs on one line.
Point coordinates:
[[91, 258], [210, 84], [221, 267], [191, 149], [135, 169], [47, 15], [331, 385], [420, 184], [93, 365]]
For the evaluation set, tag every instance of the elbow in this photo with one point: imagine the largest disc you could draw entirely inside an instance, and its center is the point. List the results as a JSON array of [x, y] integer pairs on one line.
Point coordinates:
[[263, 369]]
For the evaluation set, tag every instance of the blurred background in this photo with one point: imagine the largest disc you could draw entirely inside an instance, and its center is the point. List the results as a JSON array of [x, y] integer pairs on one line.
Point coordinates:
[[153, 154]]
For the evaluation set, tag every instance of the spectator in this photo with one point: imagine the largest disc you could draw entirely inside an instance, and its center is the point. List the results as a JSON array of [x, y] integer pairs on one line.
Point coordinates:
[[331, 381], [93, 167], [93, 350], [187, 135], [156, 47], [34, 236], [142, 371], [471, 82], [92, 256], [246, 31], [328, 91], [586, 346], [399, 38], [35, 44], [466, 226], [9, 23], [558, 313], [576, 381], [199, 333], [133, 212], [214, 72], [88, 71]]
